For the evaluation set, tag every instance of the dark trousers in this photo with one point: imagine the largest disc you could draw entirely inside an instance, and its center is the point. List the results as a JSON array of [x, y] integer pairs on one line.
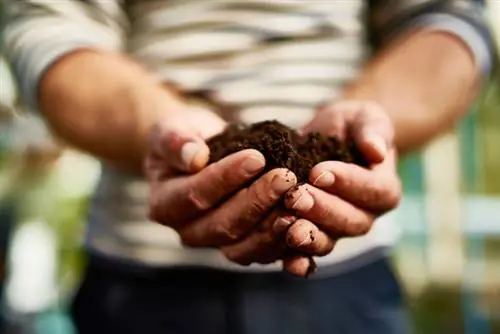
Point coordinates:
[[200, 301]]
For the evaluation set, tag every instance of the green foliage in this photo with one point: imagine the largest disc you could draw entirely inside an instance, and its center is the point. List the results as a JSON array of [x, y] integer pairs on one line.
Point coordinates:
[[488, 136]]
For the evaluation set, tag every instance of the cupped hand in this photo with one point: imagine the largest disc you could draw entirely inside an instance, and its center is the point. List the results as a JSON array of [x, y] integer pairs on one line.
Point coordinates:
[[220, 205], [343, 200]]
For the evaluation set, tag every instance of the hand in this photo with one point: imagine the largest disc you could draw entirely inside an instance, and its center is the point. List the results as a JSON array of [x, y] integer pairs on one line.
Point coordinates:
[[214, 206], [343, 200]]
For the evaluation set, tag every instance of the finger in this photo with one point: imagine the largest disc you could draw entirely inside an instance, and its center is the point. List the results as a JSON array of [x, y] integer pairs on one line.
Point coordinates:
[[333, 118], [306, 237], [265, 245], [378, 189], [328, 123], [372, 131], [180, 140], [185, 198], [223, 178], [283, 222], [330, 213], [241, 213], [299, 265], [178, 146]]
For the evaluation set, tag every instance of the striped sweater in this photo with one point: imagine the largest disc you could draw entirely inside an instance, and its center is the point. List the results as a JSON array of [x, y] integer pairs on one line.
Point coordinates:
[[255, 59]]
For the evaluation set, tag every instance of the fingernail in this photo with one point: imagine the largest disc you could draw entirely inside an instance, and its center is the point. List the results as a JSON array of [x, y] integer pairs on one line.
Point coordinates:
[[253, 164], [304, 202], [189, 152], [282, 183], [326, 179], [378, 143], [306, 240], [282, 223]]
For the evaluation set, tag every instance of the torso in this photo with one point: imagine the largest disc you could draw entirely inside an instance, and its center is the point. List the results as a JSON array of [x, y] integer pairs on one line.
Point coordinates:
[[254, 60]]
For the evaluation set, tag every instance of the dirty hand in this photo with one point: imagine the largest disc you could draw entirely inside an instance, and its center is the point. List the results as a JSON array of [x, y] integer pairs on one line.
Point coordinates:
[[214, 205], [343, 200]]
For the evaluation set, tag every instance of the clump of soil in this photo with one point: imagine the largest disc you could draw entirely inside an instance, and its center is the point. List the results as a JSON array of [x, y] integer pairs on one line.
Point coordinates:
[[283, 147]]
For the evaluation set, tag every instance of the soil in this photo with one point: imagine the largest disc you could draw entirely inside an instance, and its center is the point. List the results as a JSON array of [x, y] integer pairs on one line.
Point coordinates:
[[283, 147]]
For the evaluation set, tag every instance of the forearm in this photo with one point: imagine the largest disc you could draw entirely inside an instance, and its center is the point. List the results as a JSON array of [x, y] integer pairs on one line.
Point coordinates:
[[104, 104], [425, 81]]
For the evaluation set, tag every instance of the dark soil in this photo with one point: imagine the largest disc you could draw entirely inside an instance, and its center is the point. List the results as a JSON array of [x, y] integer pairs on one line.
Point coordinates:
[[283, 147]]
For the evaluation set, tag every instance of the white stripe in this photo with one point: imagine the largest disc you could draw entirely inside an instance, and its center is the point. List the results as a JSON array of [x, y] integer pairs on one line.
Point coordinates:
[[54, 29], [77, 12], [197, 44], [295, 94], [152, 234], [276, 23], [294, 117], [271, 22], [332, 49], [177, 15], [338, 6], [442, 182], [8, 93], [347, 25], [331, 73]]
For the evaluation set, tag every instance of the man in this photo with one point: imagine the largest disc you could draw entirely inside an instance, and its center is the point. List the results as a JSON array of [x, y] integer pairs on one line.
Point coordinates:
[[104, 72]]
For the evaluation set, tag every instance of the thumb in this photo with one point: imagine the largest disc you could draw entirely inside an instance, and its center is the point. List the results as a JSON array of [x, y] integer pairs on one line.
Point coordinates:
[[179, 145], [373, 132], [192, 156]]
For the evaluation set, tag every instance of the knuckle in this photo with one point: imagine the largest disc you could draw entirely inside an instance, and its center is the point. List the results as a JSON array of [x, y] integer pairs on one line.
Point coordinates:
[[225, 232], [253, 207], [359, 226], [390, 196], [259, 199], [187, 239], [375, 187], [265, 241], [377, 198], [222, 178], [198, 201], [301, 235], [394, 197], [343, 225], [268, 239], [219, 175], [323, 213], [375, 195]]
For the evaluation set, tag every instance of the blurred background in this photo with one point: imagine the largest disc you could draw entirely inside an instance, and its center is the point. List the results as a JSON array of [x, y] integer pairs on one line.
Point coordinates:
[[449, 257]]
